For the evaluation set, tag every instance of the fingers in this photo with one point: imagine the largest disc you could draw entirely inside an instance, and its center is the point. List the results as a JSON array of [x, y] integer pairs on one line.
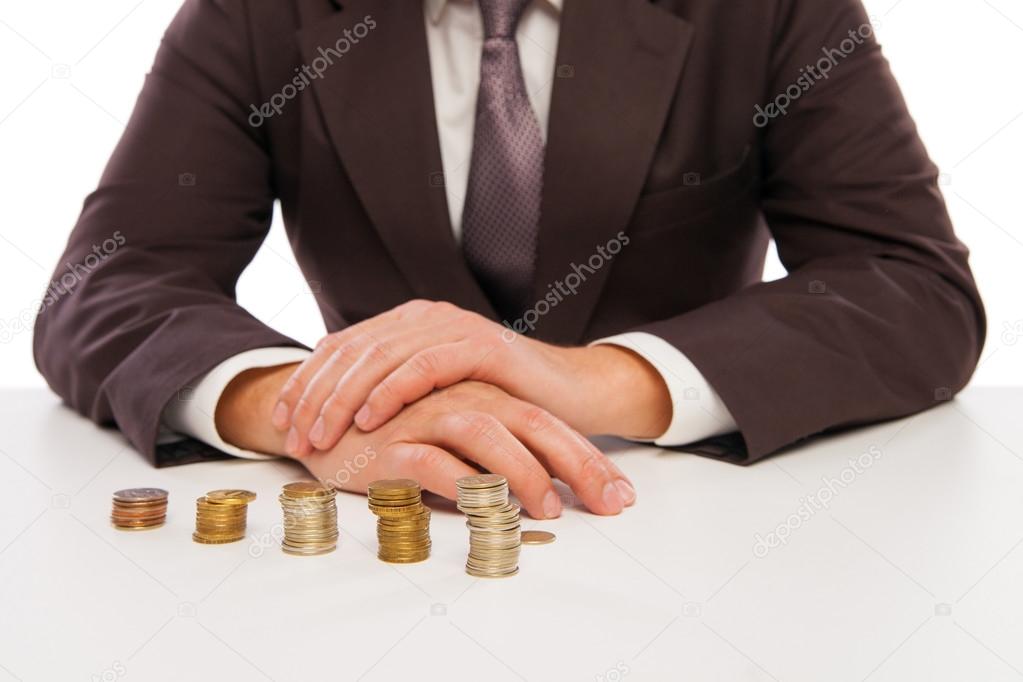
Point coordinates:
[[591, 475], [435, 367], [435, 469], [482, 438], [317, 389], [383, 353], [296, 385]]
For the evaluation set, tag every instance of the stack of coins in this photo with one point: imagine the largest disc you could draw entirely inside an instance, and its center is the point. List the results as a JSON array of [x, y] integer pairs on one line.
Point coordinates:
[[403, 523], [220, 516], [139, 508], [310, 518], [494, 528]]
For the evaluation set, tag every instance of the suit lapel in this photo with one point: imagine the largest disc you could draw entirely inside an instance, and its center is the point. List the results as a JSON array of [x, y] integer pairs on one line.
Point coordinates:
[[377, 103], [619, 63]]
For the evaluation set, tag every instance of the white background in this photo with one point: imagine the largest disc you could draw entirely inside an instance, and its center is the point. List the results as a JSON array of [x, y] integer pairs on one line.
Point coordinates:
[[70, 72]]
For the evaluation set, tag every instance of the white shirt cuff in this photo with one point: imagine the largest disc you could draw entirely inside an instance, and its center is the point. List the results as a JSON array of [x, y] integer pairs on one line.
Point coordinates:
[[192, 411], [697, 410]]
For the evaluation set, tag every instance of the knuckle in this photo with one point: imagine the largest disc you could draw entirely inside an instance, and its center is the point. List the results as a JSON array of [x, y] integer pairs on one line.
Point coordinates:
[[379, 352], [466, 320], [291, 389], [442, 308], [423, 458], [481, 425], [329, 342], [387, 390], [344, 350], [303, 408], [335, 407], [425, 363], [592, 466], [539, 419], [413, 306]]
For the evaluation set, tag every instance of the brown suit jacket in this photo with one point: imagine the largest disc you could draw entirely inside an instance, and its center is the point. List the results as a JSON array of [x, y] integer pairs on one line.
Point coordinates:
[[652, 132]]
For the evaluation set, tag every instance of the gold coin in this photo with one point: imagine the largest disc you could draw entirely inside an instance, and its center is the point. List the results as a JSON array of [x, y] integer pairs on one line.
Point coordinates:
[[481, 481], [214, 540], [537, 537], [403, 522], [392, 486], [230, 496], [307, 489]]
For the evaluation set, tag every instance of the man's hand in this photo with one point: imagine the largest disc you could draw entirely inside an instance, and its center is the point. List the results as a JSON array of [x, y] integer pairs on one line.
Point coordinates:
[[435, 441], [368, 372]]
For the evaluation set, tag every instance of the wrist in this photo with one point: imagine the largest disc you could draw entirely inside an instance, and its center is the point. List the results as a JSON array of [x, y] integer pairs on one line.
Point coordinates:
[[243, 411], [626, 395]]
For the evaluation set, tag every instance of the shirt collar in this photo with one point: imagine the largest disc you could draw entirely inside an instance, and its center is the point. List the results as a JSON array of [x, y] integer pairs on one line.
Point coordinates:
[[435, 8]]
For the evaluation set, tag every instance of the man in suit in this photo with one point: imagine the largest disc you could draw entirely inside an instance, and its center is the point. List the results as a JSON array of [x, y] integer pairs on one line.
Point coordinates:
[[531, 221]]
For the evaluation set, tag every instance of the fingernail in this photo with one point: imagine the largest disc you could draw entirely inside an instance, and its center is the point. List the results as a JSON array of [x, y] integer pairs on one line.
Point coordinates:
[[551, 505], [612, 499], [291, 444], [362, 416], [280, 415], [316, 433], [627, 491]]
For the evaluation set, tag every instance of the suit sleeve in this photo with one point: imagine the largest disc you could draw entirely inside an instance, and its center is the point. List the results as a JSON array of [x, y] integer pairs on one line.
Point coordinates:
[[182, 207], [879, 316]]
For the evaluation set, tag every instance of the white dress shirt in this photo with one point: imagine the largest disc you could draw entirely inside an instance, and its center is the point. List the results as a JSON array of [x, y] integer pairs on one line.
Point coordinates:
[[454, 32]]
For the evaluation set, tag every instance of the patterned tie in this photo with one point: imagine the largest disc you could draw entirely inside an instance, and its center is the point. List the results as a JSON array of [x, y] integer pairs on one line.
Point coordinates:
[[502, 205]]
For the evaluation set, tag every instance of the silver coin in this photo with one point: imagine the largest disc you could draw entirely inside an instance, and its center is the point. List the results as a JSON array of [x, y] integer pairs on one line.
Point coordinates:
[[140, 494]]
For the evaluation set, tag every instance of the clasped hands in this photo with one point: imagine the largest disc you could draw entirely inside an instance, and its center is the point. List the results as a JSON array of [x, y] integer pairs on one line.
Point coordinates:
[[431, 390]]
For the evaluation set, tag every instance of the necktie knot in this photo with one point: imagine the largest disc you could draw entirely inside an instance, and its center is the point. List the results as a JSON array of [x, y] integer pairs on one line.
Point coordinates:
[[501, 17]]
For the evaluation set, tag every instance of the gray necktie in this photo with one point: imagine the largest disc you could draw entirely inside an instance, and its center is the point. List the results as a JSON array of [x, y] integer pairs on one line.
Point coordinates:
[[502, 205]]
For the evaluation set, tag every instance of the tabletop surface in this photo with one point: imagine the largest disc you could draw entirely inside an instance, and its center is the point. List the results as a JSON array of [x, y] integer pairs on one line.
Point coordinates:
[[893, 552]]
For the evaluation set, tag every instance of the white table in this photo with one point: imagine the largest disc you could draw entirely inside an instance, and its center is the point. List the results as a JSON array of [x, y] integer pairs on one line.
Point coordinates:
[[913, 572]]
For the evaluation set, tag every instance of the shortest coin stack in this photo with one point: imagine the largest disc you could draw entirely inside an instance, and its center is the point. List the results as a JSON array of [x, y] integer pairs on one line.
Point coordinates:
[[220, 516], [310, 518], [139, 508], [403, 523], [494, 527]]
